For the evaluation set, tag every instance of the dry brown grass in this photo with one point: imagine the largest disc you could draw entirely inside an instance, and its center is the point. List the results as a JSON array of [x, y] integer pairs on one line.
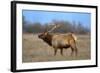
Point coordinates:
[[35, 50]]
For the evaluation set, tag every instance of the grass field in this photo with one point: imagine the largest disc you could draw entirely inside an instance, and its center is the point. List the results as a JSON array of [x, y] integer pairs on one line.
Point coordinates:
[[35, 50]]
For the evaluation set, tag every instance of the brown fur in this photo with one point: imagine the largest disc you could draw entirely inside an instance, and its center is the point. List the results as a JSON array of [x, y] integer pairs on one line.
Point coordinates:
[[60, 41]]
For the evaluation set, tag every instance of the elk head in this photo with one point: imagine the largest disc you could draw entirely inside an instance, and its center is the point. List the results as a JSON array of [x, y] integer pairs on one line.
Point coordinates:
[[47, 36], [43, 35], [46, 33]]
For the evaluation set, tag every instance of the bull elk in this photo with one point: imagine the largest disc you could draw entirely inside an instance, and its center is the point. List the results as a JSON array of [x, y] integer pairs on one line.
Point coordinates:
[[59, 41]]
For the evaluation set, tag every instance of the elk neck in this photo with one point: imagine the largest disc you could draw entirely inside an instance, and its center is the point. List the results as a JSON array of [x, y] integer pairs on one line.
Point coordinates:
[[48, 39]]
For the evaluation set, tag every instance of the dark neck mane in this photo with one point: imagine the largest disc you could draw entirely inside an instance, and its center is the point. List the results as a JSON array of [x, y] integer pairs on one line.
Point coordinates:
[[48, 39]]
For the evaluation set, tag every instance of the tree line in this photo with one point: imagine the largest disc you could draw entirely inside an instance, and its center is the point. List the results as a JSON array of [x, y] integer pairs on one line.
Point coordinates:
[[65, 27]]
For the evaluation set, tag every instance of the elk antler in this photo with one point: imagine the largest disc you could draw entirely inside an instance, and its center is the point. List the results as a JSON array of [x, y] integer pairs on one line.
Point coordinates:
[[55, 26]]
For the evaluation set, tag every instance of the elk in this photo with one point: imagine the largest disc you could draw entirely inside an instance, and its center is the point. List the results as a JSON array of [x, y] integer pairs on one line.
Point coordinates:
[[60, 41]]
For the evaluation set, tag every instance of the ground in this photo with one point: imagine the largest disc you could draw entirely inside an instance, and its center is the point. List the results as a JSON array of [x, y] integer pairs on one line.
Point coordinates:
[[36, 50]]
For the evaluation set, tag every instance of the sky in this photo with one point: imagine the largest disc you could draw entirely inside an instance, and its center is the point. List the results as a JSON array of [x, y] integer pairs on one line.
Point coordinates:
[[43, 17]]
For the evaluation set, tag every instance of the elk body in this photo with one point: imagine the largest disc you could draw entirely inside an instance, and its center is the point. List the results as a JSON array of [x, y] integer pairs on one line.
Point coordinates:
[[60, 41]]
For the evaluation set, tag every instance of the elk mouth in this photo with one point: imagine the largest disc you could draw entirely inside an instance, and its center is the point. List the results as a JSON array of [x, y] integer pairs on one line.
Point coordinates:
[[39, 36]]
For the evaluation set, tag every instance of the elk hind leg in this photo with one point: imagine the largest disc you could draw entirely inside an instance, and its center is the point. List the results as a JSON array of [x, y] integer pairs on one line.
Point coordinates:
[[74, 48], [76, 51], [72, 51]]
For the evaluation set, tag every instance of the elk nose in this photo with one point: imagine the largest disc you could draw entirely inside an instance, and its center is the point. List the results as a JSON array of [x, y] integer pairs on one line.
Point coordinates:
[[39, 36]]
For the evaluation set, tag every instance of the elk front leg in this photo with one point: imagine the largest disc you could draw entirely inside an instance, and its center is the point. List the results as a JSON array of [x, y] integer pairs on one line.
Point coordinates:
[[61, 51], [55, 51]]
